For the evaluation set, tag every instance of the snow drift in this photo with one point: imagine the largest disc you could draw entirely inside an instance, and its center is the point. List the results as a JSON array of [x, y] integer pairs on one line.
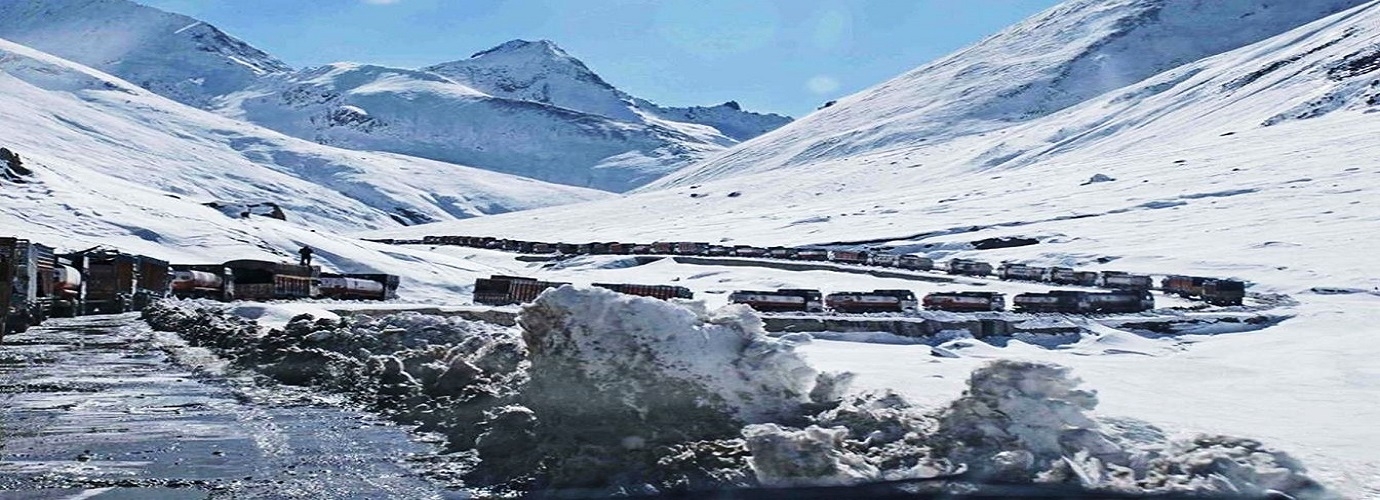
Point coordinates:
[[621, 393]]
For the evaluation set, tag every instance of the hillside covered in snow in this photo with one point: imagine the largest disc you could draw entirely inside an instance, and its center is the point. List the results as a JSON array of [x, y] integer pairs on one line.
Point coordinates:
[[172, 55], [540, 71], [107, 163], [1229, 163], [1065, 56], [525, 108]]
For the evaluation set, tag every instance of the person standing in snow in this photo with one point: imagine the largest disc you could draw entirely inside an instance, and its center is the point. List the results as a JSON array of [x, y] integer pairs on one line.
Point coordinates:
[[305, 253]]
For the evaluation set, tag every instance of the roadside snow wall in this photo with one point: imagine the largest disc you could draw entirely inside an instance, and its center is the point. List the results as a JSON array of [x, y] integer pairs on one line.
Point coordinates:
[[609, 393], [616, 379]]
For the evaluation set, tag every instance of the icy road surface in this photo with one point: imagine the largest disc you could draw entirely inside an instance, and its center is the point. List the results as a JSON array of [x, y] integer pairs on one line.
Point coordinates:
[[95, 408]]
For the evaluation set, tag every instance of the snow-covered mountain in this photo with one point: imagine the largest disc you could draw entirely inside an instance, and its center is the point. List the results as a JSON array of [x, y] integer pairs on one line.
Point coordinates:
[[540, 71], [423, 114], [108, 163], [172, 55], [1226, 164], [525, 108], [1062, 57]]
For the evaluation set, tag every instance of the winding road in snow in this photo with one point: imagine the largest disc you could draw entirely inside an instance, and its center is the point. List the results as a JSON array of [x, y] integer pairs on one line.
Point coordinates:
[[96, 407]]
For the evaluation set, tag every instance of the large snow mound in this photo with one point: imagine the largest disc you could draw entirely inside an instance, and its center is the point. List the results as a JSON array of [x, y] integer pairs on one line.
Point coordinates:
[[619, 393], [725, 359]]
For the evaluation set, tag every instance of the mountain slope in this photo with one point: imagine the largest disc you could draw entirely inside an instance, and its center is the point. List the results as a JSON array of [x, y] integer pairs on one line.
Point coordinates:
[[1061, 57], [63, 113], [170, 54], [525, 108], [110, 164], [1227, 165], [540, 71], [538, 112], [1257, 164], [425, 115]]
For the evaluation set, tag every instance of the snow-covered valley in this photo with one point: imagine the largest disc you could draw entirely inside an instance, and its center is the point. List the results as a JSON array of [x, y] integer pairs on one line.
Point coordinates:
[[1229, 139]]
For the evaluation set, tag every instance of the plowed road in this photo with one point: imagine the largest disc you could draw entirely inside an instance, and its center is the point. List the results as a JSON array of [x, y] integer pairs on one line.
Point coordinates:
[[96, 408]]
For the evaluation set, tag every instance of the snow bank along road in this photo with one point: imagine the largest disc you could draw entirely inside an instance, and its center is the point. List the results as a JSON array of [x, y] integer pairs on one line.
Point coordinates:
[[95, 407]]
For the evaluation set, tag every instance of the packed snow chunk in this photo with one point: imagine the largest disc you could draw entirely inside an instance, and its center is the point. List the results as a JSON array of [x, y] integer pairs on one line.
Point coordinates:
[[803, 457], [618, 383], [653, 359], [1016, 407], [1230, 465], [1023, 421]]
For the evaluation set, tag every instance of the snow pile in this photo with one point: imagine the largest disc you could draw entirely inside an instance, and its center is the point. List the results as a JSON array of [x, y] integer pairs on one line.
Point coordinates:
[[621, 393], [1019, 422], [393, 362], [581, 340], [617, 379], [1022, 420], [1016, 413], [203, 324]]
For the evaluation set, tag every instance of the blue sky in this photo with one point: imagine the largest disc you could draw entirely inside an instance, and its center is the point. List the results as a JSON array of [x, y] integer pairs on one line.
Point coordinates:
[[786, 56]]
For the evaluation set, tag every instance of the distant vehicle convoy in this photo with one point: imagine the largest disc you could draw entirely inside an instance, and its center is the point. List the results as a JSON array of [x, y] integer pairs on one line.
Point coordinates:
[[498, 290], [36, 283], [1126, 287], [509, 290]]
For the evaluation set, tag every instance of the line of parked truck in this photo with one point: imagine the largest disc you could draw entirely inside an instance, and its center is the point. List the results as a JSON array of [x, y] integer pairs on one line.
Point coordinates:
[[37, 282], [1215, 291], [499, 290], [507, 290]]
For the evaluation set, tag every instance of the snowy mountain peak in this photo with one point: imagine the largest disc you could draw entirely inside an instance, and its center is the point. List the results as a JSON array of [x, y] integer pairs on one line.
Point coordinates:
[[173, 55], [539, 71], [525, 47], [524, 107]]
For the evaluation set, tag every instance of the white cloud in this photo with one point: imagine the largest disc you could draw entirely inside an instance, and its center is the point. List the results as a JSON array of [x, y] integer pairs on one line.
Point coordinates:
[[822, 84], [381, 2]]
